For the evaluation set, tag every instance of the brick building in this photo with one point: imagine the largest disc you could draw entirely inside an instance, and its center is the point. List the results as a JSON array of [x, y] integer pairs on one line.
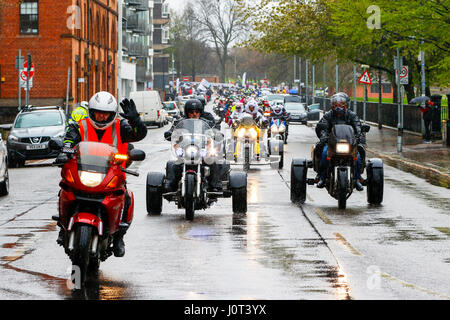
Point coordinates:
[[76, 34]]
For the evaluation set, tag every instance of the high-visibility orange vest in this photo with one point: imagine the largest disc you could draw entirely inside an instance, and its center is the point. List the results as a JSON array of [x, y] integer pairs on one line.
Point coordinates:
[[111, 135]]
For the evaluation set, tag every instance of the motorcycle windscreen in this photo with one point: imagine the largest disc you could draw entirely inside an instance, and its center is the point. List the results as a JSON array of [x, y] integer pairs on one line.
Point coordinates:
[[342, 132], [95, 156], [247, 121], [191, 138]]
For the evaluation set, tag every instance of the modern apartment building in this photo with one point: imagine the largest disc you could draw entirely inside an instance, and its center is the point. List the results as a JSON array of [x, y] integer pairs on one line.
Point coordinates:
[[135, 37], [160, 43]]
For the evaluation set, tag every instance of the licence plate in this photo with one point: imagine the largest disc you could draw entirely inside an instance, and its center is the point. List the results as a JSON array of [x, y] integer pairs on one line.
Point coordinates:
[[36, 146], [295, 117]]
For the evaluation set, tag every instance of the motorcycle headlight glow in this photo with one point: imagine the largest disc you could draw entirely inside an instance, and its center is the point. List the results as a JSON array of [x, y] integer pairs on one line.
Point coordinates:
[[282, 129], [241, 133], [253, 133], [191, 151], [91, 179], [342, 147]]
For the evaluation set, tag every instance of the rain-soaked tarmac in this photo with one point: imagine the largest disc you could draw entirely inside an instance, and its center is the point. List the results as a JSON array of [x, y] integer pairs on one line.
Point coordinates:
[[398, 250]]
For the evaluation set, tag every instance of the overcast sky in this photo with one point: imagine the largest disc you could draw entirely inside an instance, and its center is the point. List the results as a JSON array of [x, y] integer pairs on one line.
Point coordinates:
[[177, 5]]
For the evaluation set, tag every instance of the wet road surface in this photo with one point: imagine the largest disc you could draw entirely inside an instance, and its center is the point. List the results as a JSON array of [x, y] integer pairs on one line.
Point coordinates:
[[398, 250]]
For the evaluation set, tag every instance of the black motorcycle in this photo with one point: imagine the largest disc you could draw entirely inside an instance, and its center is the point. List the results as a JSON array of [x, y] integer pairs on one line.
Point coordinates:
[[340, 181], [196, 147]]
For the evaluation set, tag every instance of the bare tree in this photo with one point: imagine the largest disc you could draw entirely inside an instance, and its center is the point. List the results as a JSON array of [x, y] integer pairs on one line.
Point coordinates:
[[221, 25]]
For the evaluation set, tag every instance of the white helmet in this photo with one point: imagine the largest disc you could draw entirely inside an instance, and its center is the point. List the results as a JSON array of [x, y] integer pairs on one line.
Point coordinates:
[[105, 102], [84, 104], [253, 104]]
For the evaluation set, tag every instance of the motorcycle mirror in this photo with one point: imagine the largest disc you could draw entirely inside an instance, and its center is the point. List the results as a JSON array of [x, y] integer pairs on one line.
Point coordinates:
[[167, 135], [365, 128], [137, 155], [55, 144]]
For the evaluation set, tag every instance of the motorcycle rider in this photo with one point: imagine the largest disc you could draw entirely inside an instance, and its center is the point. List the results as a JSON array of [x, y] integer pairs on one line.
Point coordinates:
[[194, 109], [339, 114], [102, 125], [279, 112], [80, 112]]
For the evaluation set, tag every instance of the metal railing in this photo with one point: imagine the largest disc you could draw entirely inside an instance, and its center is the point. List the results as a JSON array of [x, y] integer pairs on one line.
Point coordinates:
[[139, 5], [138, 49], [138, 24]]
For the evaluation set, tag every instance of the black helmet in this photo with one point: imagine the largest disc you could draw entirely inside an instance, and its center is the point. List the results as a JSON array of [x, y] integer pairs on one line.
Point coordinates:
[[193, 104], [201, 99]]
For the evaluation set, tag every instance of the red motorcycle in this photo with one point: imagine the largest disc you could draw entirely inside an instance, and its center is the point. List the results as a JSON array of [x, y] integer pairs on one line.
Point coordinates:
[[91, 201]]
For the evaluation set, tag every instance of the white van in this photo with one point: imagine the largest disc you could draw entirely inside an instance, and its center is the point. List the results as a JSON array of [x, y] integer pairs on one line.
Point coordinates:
[[150, 107]]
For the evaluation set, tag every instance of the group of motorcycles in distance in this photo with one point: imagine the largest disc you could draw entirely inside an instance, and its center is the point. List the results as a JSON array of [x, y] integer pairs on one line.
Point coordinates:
[[93, 189]]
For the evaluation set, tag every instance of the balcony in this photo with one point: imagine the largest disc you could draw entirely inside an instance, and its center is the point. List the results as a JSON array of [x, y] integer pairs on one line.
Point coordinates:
[[125, 12], [125, 41], [139, 5], [138, 49], [138, 25]]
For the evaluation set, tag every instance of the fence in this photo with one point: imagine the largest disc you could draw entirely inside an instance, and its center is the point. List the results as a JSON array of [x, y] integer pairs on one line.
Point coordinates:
[[412, 117]]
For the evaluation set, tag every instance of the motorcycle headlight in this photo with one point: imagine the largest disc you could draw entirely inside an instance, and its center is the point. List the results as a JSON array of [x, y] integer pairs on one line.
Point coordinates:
[[274, 129], [282, 128], [191, 152], [253, 133], [342, 147], [241, 133], [91, 179]]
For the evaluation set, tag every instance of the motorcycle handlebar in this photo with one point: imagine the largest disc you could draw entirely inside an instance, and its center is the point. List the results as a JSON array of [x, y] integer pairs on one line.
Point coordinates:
[[133, 173]]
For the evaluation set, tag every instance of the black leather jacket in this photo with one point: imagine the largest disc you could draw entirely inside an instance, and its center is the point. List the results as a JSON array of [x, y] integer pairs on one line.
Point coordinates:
[[330, 119]]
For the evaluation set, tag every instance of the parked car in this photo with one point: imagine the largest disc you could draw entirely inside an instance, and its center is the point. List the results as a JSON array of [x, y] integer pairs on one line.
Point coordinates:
[[150, 108], [4, 177], [297, 111], [31, 131], [172, 109]]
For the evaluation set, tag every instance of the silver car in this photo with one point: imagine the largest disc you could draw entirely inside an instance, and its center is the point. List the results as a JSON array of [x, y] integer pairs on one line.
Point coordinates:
[[4, 177], [32, 130]]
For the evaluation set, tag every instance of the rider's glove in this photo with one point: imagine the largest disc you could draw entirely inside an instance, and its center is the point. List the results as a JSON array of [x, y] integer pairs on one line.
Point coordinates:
[[129, 111]]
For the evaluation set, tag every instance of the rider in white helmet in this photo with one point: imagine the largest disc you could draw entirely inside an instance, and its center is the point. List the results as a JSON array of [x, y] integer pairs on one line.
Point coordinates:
[[104, 126]]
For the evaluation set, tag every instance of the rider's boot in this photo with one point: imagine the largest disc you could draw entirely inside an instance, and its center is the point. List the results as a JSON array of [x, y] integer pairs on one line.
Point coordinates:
[[118, 243]]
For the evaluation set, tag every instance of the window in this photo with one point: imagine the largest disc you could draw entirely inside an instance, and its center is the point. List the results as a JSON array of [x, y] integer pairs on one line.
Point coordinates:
[[165, 35], [29, 17], [375, 88], [387, 88], [165, 10]]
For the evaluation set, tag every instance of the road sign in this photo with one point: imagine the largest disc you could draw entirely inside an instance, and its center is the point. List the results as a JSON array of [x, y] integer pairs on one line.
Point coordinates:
[[403, 75], [23, 75], [365, 78]]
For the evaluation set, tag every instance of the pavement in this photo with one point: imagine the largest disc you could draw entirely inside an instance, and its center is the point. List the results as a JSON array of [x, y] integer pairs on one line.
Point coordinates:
[[428, 161]]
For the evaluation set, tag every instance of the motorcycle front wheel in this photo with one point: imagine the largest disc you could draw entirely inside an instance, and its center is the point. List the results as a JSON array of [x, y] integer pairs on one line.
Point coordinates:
[[342, 188], [189, 199], [80, 257]]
